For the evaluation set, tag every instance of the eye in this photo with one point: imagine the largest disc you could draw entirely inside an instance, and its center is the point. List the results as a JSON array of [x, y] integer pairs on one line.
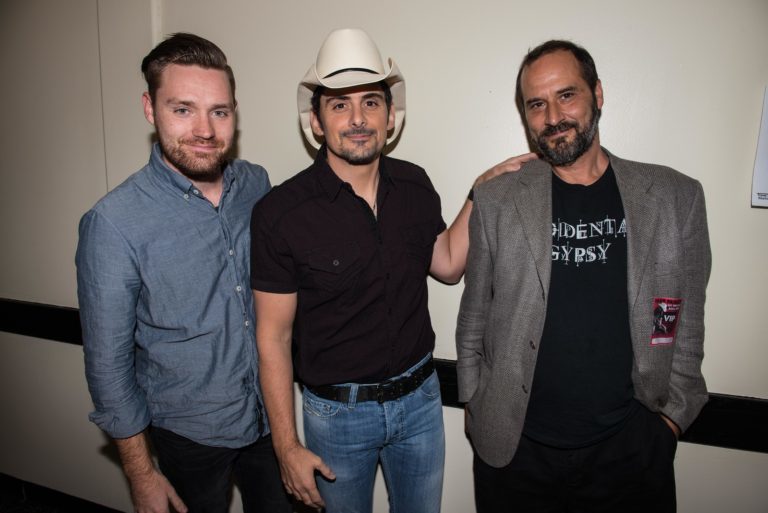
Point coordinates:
[[372, 103], [182, 111], [339, 106], [567, 95], [535, 105], [221, 113]]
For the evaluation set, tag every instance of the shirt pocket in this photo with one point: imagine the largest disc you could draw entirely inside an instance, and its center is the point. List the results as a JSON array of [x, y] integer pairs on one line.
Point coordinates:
[[419, 242], [336, 267]]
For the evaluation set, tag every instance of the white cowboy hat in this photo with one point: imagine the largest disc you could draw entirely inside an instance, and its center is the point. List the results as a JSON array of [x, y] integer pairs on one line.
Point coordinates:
[[347, 58]]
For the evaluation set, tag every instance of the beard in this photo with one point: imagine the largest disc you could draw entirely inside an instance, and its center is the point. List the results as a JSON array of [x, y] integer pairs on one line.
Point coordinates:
[[359, 154], [562, 152], [197, 166]]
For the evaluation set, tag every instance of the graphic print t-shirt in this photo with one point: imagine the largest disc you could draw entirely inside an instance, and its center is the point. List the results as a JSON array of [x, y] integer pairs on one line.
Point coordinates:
[[582, 388]]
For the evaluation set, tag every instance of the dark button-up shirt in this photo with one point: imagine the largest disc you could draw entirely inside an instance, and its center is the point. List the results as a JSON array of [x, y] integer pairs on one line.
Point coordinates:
[[165, 306], [361, 281]]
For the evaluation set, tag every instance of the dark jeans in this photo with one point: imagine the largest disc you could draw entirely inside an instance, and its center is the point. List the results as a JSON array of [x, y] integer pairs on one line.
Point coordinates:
[[202, 475], [632, 471]]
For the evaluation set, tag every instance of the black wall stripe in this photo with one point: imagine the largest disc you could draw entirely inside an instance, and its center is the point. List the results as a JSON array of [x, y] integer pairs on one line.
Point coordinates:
[[730, 421]]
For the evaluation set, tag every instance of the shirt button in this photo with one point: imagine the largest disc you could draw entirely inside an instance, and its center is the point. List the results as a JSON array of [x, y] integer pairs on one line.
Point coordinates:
[[247, 323], [196, 192], [533, 346], [186, 196], [335, 263], [231, 252], [238, 288]]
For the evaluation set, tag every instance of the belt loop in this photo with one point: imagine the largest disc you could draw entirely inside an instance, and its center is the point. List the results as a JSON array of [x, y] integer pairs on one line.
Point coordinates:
[[352, 395]]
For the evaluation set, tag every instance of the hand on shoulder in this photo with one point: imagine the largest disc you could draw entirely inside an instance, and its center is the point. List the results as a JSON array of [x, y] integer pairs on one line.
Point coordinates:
[[510, 165]]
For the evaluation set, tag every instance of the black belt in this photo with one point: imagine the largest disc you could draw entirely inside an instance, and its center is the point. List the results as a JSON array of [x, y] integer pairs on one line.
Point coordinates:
[[386, 391]]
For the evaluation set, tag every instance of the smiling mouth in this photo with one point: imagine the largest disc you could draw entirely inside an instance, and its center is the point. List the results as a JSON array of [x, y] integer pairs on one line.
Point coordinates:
[[358, 134], [203, 147]]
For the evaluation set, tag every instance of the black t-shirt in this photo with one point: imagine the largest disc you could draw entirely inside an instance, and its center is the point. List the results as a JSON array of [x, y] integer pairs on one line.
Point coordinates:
[[582, 389], [361, 281]]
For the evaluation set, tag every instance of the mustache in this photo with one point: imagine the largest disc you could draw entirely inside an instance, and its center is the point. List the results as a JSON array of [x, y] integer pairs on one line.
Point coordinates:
[[560, 127], [213, 143], [358, 131]]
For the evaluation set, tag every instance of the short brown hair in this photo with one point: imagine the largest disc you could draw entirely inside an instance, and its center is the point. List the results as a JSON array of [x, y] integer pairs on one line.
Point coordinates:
[[187, 50]]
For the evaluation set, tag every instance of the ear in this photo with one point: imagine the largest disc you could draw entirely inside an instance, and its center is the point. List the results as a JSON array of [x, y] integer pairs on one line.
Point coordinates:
[[316, 124], [391, 118], [599, 94], [149, 110]]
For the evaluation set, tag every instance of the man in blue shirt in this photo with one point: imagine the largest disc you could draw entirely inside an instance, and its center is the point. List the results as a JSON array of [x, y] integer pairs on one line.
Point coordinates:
[[167, 316]]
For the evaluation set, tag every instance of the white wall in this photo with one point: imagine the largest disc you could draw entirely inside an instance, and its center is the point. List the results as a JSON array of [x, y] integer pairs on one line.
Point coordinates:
[[683, 85]]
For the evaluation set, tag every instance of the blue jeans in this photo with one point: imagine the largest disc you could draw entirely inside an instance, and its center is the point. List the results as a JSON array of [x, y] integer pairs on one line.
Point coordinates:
[[406, 435]]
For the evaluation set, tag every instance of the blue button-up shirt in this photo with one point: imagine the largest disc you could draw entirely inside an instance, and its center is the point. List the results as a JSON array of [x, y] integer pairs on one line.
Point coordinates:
[[166, 307]]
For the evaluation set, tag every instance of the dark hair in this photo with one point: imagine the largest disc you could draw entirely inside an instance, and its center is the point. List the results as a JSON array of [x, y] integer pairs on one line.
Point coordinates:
[[319, 90], [587, 65], [187, 50]]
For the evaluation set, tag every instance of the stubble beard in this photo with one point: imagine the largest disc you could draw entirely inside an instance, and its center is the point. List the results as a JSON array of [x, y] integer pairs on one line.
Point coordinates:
[[199, 167], [358, 154], [562, 152]]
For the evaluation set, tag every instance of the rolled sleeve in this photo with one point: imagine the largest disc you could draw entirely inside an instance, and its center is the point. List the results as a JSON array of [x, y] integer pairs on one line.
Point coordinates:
[[108, 284]]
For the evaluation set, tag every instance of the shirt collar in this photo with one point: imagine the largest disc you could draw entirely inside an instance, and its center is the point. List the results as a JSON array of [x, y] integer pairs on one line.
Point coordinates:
[[330, 182]]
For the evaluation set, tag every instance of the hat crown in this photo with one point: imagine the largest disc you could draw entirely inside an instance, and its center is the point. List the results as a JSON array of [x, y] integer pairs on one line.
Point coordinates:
[[349, 58], [348, 49]]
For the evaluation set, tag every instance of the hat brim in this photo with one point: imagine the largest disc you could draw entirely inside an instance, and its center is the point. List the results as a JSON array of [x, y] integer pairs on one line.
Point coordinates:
[[352, 78]]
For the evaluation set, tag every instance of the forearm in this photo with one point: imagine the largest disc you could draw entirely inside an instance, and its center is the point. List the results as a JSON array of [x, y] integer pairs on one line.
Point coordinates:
[[150, 490], [275, 314], [449, 258], [274, 326], [276, 378], [135, 456]]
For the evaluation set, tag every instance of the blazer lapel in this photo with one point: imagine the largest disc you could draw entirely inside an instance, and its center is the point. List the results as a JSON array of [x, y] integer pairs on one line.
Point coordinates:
[[533, 206], [641, 213]]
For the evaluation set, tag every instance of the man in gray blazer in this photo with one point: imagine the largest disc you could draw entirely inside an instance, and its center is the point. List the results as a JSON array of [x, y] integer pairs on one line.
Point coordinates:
[[581, 328]]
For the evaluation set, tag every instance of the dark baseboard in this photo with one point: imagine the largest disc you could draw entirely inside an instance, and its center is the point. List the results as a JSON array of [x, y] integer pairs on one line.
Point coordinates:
[[734, 422], [25, 497], [38, 320]]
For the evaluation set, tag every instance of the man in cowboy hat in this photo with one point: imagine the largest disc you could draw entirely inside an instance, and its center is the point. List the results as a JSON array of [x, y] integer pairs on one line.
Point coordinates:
[[340, 258]]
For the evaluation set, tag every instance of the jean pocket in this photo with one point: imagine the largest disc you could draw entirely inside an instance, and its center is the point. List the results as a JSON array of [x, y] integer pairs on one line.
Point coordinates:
[[319, 407], [431, 387]]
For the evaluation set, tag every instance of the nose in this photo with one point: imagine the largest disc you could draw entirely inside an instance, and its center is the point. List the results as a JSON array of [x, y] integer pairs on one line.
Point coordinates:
[[357, 116], [203, 128], [553, 113]]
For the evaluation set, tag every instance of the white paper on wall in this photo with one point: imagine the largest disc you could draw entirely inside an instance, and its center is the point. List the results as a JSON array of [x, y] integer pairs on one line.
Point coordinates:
[[760, 176]]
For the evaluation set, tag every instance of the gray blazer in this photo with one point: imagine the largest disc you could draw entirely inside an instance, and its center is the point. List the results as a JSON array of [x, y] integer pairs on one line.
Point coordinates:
[[504, 304]]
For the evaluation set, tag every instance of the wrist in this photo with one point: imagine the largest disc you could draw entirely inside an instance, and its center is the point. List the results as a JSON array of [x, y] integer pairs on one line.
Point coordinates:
[[285, 448]]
